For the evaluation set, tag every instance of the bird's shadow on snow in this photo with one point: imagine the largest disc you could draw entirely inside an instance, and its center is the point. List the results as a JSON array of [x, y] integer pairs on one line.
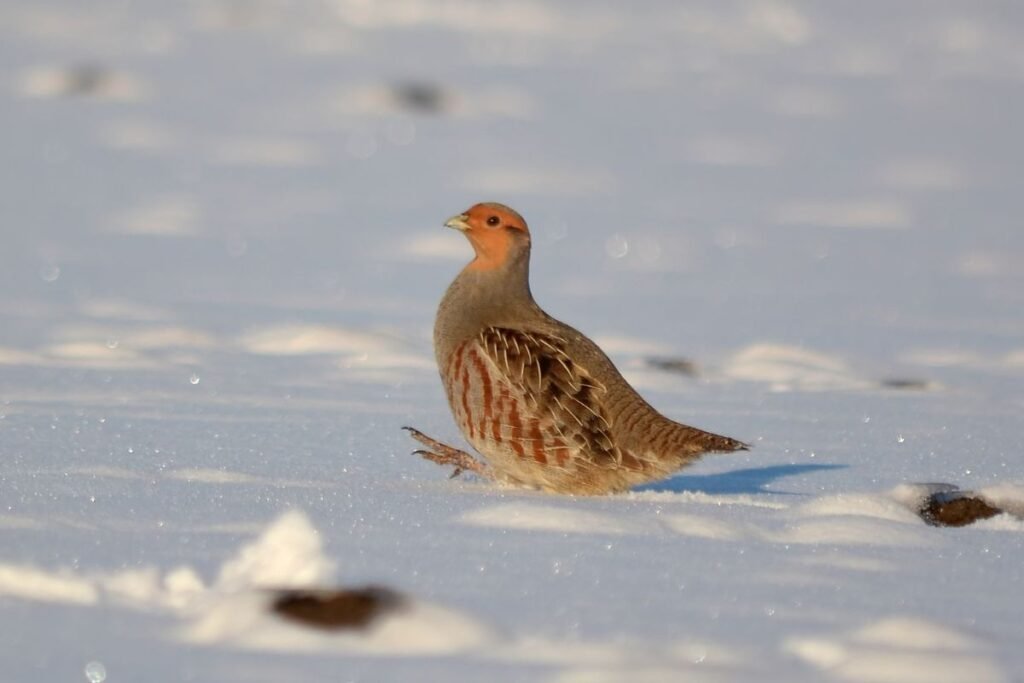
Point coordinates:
[[750, 480]]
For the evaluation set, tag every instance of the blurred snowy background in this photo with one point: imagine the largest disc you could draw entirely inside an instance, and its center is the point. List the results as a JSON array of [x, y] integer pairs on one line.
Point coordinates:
[[220, 253]]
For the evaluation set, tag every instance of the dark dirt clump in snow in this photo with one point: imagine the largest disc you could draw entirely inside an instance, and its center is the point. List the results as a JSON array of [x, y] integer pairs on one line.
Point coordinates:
[[957, 509], [906, 384], [682, 366], [331, 610]]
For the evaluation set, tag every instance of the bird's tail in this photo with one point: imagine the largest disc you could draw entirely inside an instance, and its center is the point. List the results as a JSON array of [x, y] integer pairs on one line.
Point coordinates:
[[693, 440]]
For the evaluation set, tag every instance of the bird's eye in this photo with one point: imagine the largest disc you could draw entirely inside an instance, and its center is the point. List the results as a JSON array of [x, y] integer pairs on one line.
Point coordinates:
[[493, 221]]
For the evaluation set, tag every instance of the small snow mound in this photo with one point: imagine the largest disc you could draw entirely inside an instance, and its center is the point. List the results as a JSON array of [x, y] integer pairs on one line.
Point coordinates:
[[1000, 506], [853, 519], [916, 634], [82, 80], [1008, 497], [237, 609], [29, 583], [357, 349], [899, 650], [245, 620], [860, 505], [848, 530], [141, 587], [288, 554], [914, 496], [425, 629], [792, 368]]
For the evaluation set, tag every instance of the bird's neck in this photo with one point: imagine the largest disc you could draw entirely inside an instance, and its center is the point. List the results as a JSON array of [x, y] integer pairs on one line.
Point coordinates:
[[479, 298]]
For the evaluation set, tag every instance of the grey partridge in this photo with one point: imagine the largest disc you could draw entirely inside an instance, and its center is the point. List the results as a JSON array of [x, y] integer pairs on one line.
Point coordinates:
[[542, 404]]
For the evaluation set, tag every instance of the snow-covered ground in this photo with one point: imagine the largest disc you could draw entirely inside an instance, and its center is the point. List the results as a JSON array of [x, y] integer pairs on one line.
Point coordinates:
[[220, 252]]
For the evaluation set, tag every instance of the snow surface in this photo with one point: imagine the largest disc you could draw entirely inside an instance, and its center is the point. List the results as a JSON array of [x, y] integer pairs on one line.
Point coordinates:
[[221, 252]]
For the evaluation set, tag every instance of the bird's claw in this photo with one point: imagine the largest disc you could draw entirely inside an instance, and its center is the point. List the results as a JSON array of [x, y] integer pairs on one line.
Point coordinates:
[[446, 455]]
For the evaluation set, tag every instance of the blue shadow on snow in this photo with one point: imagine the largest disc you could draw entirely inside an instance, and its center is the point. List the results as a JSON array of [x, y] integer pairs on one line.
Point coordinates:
[[750, 480]]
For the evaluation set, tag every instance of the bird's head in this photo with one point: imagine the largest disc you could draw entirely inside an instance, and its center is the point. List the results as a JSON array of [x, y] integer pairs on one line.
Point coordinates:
[[498, 234]]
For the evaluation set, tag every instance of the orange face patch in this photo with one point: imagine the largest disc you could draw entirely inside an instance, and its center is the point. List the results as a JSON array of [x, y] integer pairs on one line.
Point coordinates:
[[494, 231]]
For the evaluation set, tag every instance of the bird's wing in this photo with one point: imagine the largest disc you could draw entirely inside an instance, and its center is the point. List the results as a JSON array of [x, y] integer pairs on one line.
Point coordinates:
[[561, 398]]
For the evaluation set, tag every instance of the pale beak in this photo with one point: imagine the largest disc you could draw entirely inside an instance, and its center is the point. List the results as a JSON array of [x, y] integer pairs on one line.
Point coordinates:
[[460, 222]]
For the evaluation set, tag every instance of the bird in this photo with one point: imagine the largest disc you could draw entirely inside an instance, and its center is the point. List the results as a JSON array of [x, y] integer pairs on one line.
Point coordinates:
[[539, 401]]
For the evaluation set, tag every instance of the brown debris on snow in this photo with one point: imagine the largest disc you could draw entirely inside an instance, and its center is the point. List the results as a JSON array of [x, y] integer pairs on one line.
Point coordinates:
[[332, 610], [956, 508]]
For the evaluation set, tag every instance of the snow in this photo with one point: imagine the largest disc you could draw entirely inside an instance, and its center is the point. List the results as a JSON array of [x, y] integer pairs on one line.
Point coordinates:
[[222, 247]]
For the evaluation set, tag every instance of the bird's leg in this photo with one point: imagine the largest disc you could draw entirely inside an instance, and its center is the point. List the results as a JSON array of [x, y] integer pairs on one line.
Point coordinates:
[[446, 455]]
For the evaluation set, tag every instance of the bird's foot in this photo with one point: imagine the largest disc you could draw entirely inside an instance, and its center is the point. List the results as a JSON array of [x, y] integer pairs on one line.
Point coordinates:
[[443, 454]]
